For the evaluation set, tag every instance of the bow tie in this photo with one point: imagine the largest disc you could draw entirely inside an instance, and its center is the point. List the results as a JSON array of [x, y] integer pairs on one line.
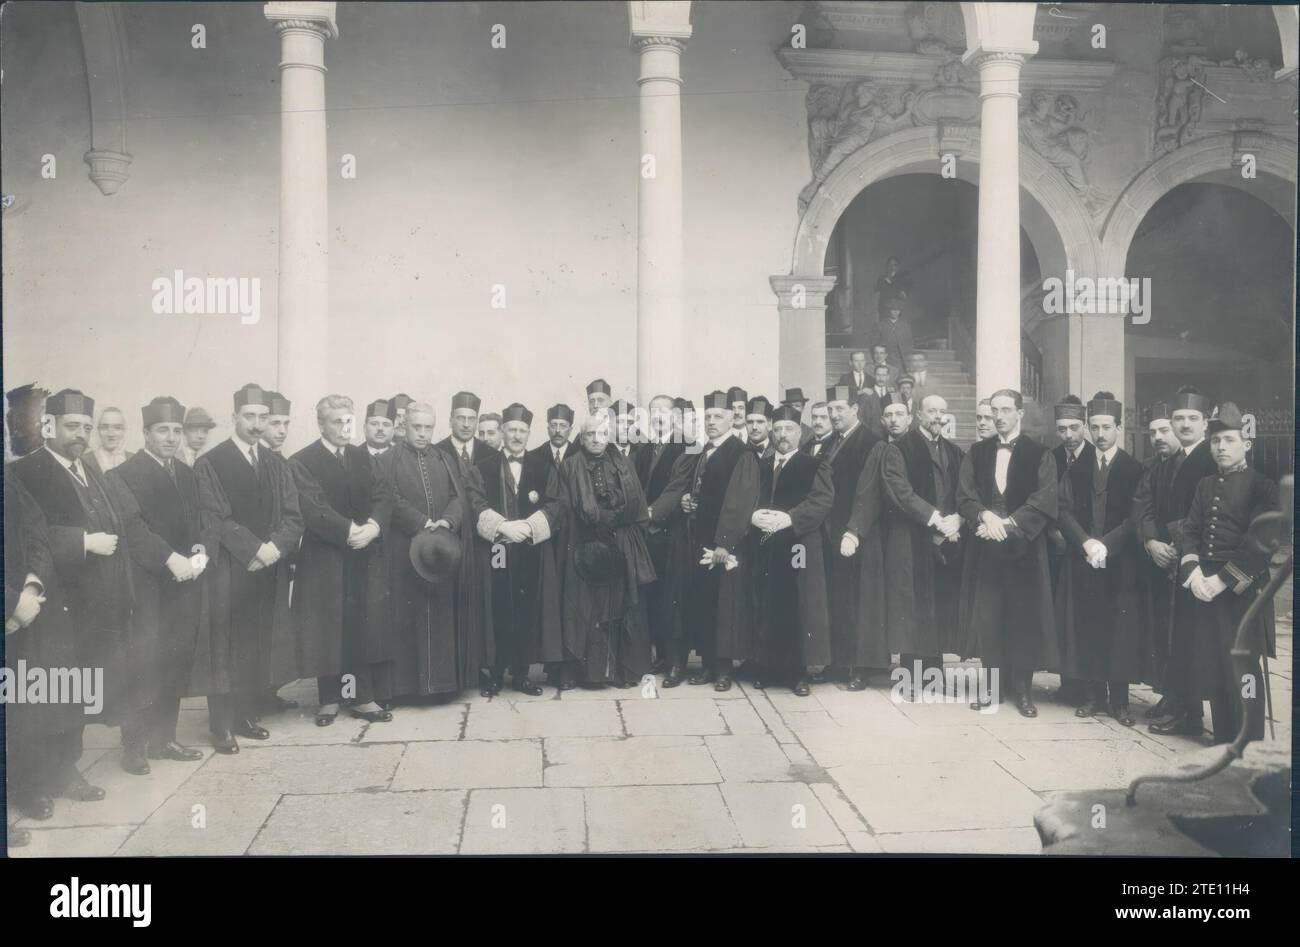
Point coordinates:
[[1008, 445]]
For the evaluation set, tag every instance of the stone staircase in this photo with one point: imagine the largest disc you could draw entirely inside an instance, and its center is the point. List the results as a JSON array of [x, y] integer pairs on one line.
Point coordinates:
[[947, 377]]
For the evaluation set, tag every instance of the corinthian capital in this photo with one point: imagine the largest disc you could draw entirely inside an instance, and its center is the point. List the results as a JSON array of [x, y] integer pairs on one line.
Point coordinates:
[[319, 17]]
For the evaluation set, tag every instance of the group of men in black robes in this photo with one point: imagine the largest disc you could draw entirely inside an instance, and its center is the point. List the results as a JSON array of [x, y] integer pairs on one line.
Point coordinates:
[[407, 569]]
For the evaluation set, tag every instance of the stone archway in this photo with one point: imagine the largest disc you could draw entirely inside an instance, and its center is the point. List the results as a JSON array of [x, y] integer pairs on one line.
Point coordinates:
[[1057, 222], [1198, 159]]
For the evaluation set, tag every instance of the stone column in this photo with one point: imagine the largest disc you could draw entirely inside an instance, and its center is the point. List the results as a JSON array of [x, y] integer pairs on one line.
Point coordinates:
[[802, 340], [997, 297], [303, 291], [659, 34]]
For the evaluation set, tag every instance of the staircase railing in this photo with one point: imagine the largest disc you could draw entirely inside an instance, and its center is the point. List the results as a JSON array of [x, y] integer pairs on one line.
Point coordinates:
[[961, 339]]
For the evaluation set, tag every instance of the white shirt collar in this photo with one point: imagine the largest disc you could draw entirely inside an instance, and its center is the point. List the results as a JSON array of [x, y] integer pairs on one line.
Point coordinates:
[[329, 447], [1191, 447], [67, 464], [377, 451], [1010, 437], [1109, 455], [718, 441], [161, 463], [779, 457], [853, 427]]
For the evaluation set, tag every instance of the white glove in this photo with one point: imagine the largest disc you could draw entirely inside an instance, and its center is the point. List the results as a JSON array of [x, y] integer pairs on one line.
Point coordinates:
[[848, 545]]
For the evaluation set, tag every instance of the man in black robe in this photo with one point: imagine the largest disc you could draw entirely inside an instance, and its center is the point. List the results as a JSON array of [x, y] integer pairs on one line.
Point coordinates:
[[381, 417], [92, 570], [628, 438], [399, 402], [1187, 467], [249, 513], [853, 544], [654, 469], [1225, 574], [1156, 581], [1071, 431], [707, 505], [758, 424], [40, 737], [463, 441], [526, 627], [922, 539], [1101, 620], [788, 576], [345, 510], [1006, 493], [738, 399], [168, 559]]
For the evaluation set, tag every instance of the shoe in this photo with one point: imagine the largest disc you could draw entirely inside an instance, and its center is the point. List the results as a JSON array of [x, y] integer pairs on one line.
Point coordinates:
[[371, 716], [701, 677], [527, 687], [1025, 704], [1160, 709], [1182, 725], [324, 719], [134, 761], [225, 742], [39, 807], [759, 683], [19, 838], [81, 791], [1089, 709], [171, 750], [248, 728], [801, 688], [1122, 715], [673, 677], [385, 704], [857, 681], [723, 683], [979, 703]]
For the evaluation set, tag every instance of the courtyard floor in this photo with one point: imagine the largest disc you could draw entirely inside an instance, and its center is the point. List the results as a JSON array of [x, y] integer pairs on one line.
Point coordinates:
[[688, 770]]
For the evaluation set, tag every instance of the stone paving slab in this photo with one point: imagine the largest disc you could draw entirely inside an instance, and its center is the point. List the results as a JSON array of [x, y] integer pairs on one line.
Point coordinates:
[[525, 821], [632, 761], [1021, 841], [128, 800], [784, 816], [385, 823], [299, 769], [94, 841], [750, 758], [659, 819], [493, 720], [670, 717], [224, 825], [469, 764], [441, 722]]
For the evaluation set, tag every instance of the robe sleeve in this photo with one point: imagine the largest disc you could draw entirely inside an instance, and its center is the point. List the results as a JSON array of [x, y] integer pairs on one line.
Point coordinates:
[[969, 504], [462, 477], [738, 502], [21, 508], [554, 512], [146, 548], [318, 517], [1144, 512], [381, 499], [808, 515], [1189, 545], [1071, 529], [868, 495], [287, 534], [1041, 506], [215, 519], [668, 505], [898, 488]]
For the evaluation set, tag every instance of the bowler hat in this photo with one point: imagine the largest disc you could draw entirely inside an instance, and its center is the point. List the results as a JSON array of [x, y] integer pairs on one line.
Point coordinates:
[[435, 555]]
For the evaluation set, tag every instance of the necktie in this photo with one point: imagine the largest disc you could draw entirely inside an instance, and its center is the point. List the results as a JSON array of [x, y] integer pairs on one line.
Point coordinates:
[[556, 453], [252, 456], [339, 455], [170, 466], [776, 475], [1069, 459], [1103, 465], [464, 452], [79, 473]]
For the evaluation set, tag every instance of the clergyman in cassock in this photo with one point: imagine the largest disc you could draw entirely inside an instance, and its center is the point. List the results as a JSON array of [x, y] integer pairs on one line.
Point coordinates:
[[595, 504], [1157, 565], [1183, 473], [707, 505], [345, 509], [1074, 446], [168, 559], [787, 573], [1099, 613], [249, 513], [1006, 493], [922, 539], [1224, 573], [526, 627], [853, 538], [92, 570], [432, 652], [43, 740]]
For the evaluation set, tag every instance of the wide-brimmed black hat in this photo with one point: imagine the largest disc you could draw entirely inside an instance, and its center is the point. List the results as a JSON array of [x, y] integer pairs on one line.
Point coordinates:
[[435, 555]]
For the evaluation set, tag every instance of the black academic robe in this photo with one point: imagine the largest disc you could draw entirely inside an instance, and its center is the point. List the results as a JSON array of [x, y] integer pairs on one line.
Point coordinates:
[[869, 411], [479, 450], [48, 642], [251, 645], [725, 487], [473, 585], [1155, 585], [97, 590], [855, 584], [1056, 546], [787, 582], [433, 653], [922, 576], [1006, 612], [1100, 617], [1214, 539], [526, 623], [604, 625], [167, 612], [545, 452], [333, 583], [655, 470]]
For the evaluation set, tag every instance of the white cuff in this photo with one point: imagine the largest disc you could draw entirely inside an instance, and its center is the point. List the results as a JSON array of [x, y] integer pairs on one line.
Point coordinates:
[[1190, 557], [933, 521], [489, 521], [540, 526]]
